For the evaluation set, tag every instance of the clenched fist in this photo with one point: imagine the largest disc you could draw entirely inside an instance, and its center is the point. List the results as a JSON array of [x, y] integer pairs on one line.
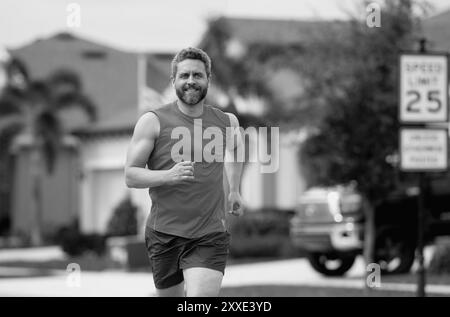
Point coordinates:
[[235, 201], [182, 171]]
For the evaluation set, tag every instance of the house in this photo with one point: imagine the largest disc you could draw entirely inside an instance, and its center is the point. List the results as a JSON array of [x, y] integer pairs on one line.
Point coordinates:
[[436, 30], [89, 184]]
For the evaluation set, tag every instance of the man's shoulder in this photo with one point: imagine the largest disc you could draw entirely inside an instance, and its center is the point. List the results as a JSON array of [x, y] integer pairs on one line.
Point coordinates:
[[219, 110], [148, 116], [229, 116], [147, 123], [156, 113], [219, 113], [215, 109]]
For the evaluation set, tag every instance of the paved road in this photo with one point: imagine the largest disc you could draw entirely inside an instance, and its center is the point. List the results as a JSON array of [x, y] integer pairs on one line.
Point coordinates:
[[119, 283]]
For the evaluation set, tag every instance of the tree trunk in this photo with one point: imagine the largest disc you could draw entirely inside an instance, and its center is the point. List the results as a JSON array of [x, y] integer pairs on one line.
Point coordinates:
[[36, 197], [369, 239]]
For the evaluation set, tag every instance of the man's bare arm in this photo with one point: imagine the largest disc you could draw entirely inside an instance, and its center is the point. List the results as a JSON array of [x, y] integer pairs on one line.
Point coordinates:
[[233, 166], [141, 146]]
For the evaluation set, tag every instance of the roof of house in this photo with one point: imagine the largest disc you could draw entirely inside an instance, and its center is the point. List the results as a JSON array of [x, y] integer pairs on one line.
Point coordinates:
[[273, 31], [437, 31], [108, 76]]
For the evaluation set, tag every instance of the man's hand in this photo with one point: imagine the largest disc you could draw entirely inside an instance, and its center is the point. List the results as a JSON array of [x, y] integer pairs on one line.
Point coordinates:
[[180, 172], [235, 201]]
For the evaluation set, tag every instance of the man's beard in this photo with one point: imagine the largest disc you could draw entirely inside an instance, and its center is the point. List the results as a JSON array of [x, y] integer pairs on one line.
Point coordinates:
[[192, 94]]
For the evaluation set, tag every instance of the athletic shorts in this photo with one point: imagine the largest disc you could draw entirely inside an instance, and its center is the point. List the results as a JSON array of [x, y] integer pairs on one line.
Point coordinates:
[[169, 255]]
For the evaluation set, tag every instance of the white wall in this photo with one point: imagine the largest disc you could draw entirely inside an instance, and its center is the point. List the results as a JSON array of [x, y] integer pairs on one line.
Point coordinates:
[[103, 185], [289, 183], [251, 186]]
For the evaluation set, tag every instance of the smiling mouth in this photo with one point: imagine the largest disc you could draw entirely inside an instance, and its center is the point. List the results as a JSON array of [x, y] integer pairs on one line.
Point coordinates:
[[191, 89]]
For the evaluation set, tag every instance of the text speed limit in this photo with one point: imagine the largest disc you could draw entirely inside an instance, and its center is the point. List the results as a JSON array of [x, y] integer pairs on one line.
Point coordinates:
[[423, 88]]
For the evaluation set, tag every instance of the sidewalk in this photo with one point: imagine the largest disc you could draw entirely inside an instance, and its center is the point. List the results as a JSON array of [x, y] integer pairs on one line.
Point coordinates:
[[31, 254]]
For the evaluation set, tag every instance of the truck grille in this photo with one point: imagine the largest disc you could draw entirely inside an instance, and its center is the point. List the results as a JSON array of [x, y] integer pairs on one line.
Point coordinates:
[[314, 212]]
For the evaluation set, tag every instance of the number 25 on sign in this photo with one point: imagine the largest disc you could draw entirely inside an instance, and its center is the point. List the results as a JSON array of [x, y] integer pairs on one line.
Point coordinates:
[[423, 88]]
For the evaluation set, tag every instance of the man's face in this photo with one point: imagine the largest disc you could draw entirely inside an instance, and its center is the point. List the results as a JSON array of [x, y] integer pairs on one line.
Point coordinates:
[[190, 82]]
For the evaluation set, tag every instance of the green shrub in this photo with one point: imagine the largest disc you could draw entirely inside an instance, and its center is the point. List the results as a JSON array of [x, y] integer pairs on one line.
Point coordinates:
[[440, 261], [75, 243], [263, 233], [124, 219], [5, 225]]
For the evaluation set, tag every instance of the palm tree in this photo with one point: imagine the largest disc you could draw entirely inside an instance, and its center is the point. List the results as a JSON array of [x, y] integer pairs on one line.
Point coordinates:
[[31, 111]]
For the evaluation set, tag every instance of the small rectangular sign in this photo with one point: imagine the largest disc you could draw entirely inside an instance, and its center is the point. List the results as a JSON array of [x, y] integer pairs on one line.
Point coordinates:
[[423, 88], [423, 149]]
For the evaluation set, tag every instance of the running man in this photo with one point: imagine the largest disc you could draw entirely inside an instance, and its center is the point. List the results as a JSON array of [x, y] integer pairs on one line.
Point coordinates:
[[186, 234]]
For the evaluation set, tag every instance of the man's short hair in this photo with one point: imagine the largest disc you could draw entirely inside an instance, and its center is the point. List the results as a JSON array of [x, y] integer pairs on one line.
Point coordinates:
[[191, 53]]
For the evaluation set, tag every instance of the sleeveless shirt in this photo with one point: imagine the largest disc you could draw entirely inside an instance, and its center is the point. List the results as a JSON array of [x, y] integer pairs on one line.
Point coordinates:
[[196, 207]]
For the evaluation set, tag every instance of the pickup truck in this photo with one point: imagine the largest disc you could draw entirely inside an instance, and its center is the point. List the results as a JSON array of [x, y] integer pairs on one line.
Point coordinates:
[[328, 225]]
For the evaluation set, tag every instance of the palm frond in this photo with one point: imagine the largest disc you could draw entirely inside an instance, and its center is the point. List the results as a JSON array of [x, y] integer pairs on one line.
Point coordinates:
[[7, 136], [9, 105], [39, 94], [14, 92], [63, 81], [18, 73], [71, 99], [9, 126], [6, 122]]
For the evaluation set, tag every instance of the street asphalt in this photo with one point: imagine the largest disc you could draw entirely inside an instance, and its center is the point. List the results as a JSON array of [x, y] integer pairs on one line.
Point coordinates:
[[24, 282]]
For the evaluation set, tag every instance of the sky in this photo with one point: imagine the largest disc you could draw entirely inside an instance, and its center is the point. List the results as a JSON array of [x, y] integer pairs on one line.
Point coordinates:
[[152, 25]]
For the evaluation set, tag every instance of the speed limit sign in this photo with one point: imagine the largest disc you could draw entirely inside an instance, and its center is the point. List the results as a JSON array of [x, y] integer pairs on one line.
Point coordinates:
[[423, 88]]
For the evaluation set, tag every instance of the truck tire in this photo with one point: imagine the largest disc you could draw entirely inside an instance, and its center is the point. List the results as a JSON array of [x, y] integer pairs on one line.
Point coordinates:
[[394, 251], [331, 264]]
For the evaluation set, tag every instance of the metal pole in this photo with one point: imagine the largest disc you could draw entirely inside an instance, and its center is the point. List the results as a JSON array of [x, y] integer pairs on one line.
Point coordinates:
[[420, 239], [420, 218]]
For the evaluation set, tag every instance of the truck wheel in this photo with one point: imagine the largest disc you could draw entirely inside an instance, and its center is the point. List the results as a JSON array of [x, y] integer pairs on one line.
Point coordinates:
[[394, 253], [331, 264]]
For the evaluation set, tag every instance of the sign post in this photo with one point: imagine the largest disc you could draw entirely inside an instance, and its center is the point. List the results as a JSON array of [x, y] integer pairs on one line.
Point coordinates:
[[423, 101]]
